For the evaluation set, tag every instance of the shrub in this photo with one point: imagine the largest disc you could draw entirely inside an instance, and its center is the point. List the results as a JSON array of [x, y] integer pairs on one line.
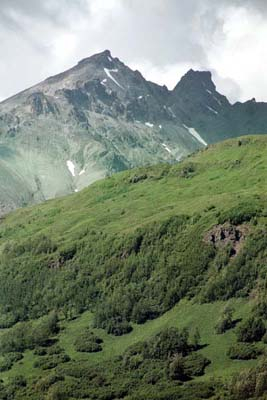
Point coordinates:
[[196, 339], [7, 320], [188, 170], [134, 361], [27, 335], [138, 178], [40, 351], [50, 362], [118, 328], [251, 330], [47, 381], [195, 364], [55, 349], [18, 381], [225, 322], [239, 214], [164, 345], [243, 385], [5, 364], [88, 342], [169, 342], [176, 370], [243, 351]]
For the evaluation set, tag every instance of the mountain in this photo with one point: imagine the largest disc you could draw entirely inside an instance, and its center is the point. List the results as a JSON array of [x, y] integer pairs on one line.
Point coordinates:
[[101, 117], [150, 284]]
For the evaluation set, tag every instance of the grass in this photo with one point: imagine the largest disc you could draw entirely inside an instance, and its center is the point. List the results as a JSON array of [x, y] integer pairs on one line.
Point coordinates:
[[223, 176], [224, 173], [185, 314]]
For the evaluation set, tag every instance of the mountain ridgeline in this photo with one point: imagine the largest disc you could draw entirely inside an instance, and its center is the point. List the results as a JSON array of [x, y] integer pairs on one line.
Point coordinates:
[[101, 117]]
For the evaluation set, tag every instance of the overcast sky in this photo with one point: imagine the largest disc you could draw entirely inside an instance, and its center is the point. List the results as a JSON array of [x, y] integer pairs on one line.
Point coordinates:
[[161, 38]]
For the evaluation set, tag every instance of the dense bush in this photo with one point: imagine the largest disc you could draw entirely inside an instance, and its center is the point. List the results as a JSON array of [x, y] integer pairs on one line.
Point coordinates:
[[251, 330], [243, 351], [162, 346], [195, 364], [8, 360], [184, 368], [243, 271], [51, 361], [129, 278], [144, 371], [176, 369], [7, 320], [28, 335], [170, 344], [225, 322], [88, 342], [250, 383], [43, 351], [244, 212], [46, 382]]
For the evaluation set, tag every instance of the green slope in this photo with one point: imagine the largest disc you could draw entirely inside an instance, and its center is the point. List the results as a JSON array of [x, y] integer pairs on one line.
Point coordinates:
[[221, 174], [134, 252]]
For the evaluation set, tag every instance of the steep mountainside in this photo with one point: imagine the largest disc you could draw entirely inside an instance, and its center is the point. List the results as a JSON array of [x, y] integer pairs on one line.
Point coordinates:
[[150, 284], [101, 117]]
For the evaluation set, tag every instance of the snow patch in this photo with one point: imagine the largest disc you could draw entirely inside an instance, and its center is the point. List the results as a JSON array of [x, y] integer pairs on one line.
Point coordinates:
[[212, 110], [76, 190], [149, 124], [172, 113], [196, 135], [166, 147], [215, 98], [160, 126], [71, 167], [140, 97], [108, 73], [103, 82], [82, 172], [110, 59], [218, 101]]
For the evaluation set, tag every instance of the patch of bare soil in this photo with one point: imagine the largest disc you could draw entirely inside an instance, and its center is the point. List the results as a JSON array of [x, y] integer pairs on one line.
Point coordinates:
[[223, 235]]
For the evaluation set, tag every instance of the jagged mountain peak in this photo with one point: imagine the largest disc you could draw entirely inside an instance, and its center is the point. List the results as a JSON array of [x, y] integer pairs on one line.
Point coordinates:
[[101, 58], [196, 80], [100, 117]]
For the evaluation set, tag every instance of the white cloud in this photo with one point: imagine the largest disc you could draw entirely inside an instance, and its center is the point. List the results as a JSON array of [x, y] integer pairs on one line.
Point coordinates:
[[242, 55], [39, 39]]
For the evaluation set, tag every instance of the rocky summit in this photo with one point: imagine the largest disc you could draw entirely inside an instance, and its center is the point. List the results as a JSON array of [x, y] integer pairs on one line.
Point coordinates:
[[101, 117]]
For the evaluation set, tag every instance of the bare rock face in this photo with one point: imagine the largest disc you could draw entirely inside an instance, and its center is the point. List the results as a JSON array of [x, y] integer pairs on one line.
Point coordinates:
[[101, 117], [227, 234]]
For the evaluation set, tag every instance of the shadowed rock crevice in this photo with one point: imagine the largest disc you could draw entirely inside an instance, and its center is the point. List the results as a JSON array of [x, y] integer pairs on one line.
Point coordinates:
[[228, 235]]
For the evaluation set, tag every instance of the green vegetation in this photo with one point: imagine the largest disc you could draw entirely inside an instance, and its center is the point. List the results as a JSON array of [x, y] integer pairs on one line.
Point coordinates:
[[226, 321], [88, 342], [150, 284], [243, 351], [251, 330]]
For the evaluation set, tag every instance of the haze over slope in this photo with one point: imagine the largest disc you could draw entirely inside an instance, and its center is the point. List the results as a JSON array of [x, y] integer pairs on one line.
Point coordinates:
[[101, 117]]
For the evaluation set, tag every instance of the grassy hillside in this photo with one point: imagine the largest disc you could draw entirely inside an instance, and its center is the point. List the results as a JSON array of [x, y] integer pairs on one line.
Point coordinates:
[[169, 257]]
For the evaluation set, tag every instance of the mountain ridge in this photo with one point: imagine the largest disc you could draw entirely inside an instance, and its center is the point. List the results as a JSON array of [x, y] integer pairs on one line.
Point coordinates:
[[102, 117]]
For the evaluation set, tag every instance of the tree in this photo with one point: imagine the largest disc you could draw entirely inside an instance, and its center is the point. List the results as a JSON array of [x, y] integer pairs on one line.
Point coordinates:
[[226, 320], [251, 330], [176, 368], [196, 339]]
